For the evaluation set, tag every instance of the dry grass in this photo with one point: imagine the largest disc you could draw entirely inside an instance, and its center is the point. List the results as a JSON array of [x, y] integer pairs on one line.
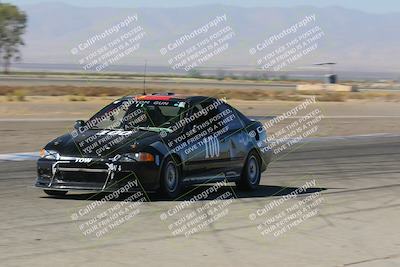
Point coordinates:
[[74, 98], [19, 93], [333, 97], [16, 95]]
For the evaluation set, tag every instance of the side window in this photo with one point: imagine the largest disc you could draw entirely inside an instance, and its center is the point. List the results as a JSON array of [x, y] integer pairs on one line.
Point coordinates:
[[203, 113], [232, 117]]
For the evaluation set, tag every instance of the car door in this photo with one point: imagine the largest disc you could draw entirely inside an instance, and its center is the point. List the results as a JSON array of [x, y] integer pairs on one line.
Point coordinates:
[[234, 139], [207, 153]]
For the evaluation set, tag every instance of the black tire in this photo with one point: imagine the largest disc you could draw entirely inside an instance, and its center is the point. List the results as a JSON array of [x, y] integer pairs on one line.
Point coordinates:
[[57, 193], [171, 180], [251, 173]]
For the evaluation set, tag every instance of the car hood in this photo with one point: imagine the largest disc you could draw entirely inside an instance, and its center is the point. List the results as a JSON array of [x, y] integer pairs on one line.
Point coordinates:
[[102, 143]]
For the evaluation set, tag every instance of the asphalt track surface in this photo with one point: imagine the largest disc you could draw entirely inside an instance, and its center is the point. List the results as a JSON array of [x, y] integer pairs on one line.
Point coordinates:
[[356, 225]]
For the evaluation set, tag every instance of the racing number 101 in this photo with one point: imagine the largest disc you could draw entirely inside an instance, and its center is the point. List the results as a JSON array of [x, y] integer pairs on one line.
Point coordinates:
[[212, 147]]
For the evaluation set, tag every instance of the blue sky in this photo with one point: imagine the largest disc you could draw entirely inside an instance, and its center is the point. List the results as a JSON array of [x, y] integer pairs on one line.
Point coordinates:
[[373, 6]]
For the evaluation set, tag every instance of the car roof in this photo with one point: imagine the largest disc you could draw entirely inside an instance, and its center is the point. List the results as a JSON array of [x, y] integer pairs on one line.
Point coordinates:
[[169, 97]]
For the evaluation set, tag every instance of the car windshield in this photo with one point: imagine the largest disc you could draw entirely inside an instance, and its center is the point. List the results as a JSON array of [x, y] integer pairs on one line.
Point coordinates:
[[128, 114]]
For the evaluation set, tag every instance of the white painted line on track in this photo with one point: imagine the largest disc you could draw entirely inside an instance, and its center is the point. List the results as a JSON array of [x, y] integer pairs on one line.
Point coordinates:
[[19, 156]]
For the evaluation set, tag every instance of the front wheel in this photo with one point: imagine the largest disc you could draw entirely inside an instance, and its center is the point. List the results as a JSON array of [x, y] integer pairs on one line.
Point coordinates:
[[57, 193], [171, 182], [251, 173]]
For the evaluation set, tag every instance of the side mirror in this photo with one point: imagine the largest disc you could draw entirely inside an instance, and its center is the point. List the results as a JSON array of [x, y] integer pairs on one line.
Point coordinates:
[[78, 124]]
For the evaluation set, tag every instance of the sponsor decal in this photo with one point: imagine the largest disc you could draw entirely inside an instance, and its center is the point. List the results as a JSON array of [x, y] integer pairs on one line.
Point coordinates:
[[83, 160]]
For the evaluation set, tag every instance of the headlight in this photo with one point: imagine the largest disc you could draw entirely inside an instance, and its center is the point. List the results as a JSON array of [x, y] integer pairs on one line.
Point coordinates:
[[139, 156], [49, 154]]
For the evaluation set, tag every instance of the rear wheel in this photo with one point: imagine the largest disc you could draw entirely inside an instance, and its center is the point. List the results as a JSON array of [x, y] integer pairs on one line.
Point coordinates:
[[58, 193], [171, 181], [251, 173]]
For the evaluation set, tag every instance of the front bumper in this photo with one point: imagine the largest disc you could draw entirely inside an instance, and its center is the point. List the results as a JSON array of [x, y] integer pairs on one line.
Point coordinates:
[[104, 175]]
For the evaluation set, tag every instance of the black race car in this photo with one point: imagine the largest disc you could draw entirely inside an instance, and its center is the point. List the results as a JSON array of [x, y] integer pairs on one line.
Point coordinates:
[[158, 142]]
